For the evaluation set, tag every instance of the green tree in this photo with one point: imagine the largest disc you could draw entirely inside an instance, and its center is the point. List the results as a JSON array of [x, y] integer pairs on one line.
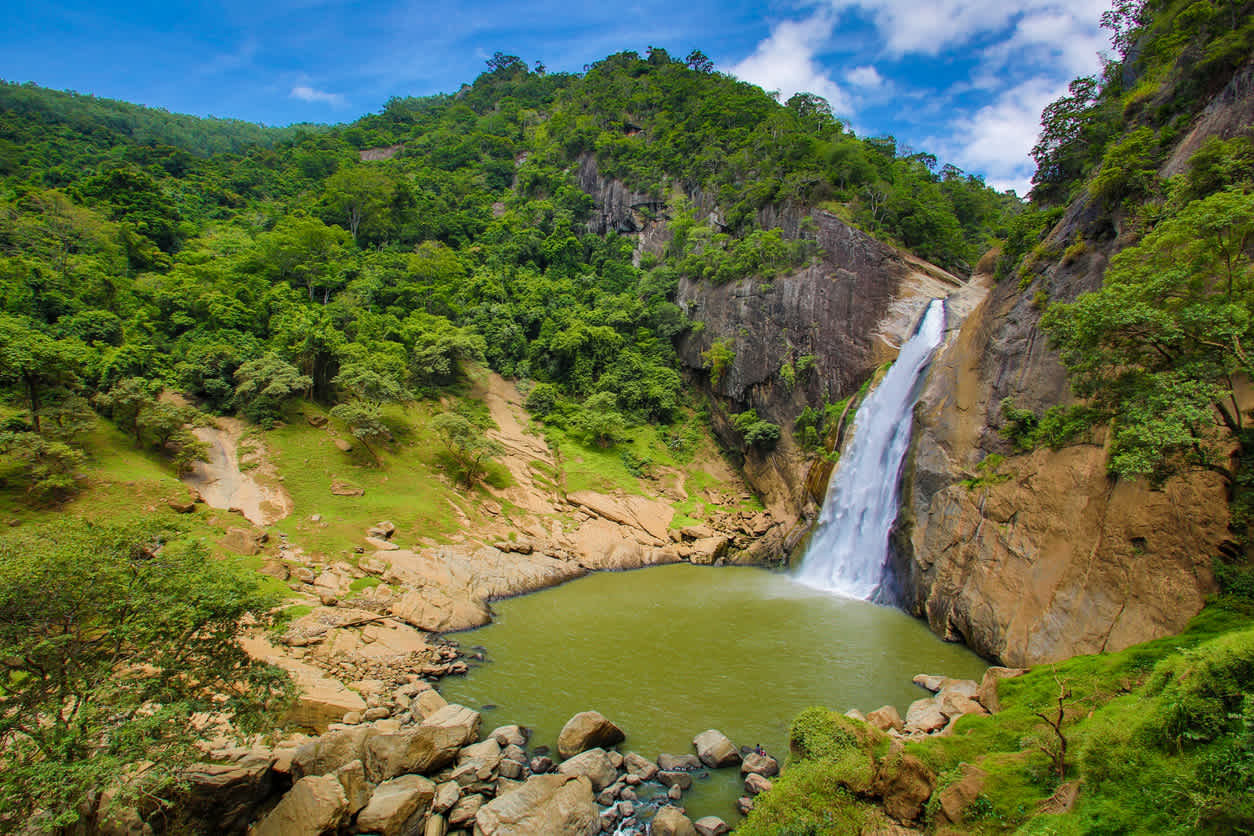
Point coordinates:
[[467, 444], [599, 422], [358, 197], [37, 364], [125, 402], [365, 421], [1163, 345], [47, 471], [265, 385], [112, 642], [718, 358]]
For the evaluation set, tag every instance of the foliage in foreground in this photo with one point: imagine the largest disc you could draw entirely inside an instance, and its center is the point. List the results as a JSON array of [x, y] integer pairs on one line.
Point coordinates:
[[1159, 736], [112, 639]]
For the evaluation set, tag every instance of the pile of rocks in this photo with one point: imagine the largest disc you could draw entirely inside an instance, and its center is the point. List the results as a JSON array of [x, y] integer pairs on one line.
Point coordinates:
[[952, 699], [439, 777]]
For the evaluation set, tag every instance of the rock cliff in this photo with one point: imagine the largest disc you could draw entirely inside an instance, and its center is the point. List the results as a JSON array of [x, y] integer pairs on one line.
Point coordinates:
[[1046, 555], [835, 320]]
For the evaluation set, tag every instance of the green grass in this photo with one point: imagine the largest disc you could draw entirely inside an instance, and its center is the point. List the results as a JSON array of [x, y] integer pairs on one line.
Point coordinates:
[[409, 487], [1156, 735]]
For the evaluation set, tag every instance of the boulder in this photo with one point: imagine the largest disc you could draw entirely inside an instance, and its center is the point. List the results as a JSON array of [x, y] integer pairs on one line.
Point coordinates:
[[426, 704], [357, 790], [226, 796], [953, 704], [381, 545], [672, 763], [958, 795], [711, 826], [509, 735], [930, 682], [905, 784], [344, 446], [383, 530], [594, 764], [397, 806], [966, 687], [670, 821], [541, 764], [242, 541], [544, 804], [436, 826], [925, 715], [331, 751], [345, 489], [683, 780], [744, 805], [763, 765], [755, 783], [715, 749], [431, 746], [465, 810], [639, 766], [313, 806], [855, 714], [885, 718], [446, 795], [316, 420], [181, 506], [587, 730], [987, 692], [483, 756], [707, 550]]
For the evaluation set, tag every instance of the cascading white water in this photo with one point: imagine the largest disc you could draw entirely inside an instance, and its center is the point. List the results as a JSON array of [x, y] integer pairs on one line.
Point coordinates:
[[849, 548]]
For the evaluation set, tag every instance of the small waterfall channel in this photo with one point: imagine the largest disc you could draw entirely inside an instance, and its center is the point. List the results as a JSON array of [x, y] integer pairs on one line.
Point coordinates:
[[848, 552]]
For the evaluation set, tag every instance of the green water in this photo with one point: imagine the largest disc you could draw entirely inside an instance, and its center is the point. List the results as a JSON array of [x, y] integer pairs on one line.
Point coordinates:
[[668, 652]]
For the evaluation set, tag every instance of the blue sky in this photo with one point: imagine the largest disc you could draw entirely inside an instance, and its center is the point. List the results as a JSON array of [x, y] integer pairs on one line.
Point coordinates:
[[963, 79]]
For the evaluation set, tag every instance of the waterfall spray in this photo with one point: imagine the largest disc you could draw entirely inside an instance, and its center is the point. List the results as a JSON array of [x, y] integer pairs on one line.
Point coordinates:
[[848, 553]]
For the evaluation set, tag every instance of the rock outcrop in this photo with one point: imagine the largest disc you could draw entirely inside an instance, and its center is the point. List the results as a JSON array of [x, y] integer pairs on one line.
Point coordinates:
[[1048, 556], [846, 313]]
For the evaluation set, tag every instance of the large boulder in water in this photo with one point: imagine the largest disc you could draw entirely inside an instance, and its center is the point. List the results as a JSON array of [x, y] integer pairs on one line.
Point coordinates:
[[587, 730], [715, 749], [594, 764], [670, 821], [544, 804]]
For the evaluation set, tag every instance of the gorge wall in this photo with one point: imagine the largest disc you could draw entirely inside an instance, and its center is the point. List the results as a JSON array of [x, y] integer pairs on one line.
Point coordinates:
[[1051, 557], [1044, 556]]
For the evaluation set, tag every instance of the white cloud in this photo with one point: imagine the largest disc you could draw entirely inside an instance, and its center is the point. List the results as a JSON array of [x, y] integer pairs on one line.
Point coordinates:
[[911, 27], [866, 77], [998, 138], [309, 94], [1024, 55], [786, 62]]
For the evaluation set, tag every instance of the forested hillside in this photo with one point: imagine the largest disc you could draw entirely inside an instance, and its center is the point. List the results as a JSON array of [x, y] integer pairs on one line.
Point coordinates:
[[246, 266]]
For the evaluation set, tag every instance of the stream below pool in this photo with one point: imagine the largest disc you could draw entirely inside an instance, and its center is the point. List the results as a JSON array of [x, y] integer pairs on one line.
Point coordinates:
[[671, 651]]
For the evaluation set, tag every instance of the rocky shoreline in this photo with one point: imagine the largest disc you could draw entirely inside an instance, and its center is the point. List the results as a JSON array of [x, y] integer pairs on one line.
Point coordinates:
[[415, 764], [430, 771]]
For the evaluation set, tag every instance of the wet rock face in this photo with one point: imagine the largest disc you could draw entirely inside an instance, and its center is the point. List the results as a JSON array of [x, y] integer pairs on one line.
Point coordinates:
[[846, 313], [1052, 557]]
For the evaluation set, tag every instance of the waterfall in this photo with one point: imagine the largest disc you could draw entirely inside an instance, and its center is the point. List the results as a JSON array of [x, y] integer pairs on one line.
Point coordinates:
[[848, 551]]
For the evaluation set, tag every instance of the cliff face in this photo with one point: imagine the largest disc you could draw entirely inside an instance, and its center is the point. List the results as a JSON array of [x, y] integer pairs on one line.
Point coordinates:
[[845, 314], [1050, 557]]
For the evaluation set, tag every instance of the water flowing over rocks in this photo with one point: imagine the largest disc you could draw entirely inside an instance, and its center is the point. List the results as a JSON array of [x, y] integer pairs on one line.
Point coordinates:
[[393, 778]]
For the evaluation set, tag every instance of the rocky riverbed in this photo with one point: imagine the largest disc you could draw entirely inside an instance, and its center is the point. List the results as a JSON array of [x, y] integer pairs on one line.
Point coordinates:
[[420, 765], [430, 770]]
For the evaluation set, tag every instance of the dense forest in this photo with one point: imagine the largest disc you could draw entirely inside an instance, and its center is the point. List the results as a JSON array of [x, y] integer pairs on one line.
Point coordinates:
[[244, 266]]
